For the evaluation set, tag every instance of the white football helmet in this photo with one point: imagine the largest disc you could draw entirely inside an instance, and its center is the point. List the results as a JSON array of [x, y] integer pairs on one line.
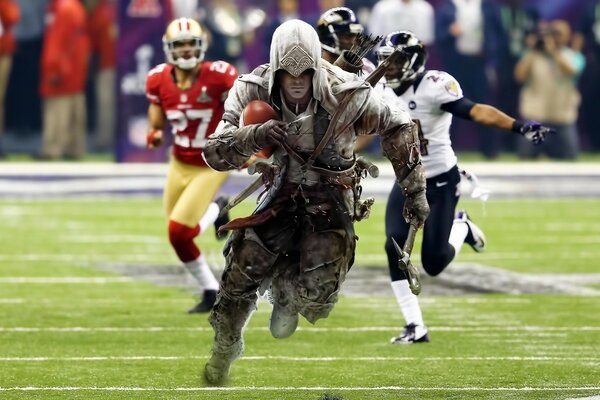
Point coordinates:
[[178, 33]]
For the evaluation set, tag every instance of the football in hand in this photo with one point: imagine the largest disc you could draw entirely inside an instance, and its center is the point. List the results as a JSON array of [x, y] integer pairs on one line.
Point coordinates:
[[258, 112]]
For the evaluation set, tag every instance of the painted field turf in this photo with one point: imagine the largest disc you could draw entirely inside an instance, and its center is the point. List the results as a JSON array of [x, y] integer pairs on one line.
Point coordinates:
[[71, 330]]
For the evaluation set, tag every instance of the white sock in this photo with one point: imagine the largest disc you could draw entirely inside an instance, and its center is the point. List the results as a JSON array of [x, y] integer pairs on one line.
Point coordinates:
[[458, 234], [408, 302], [201, 271], [209, 217]]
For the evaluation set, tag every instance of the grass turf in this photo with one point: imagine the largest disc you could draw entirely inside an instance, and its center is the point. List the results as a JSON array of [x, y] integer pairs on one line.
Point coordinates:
[[124, 339]]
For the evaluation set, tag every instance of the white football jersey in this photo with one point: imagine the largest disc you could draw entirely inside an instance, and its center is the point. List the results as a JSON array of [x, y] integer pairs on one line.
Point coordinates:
[[424, 103], [384, 91]]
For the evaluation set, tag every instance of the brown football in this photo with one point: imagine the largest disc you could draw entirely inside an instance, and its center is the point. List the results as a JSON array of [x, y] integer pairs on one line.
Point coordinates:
[[258, 112]]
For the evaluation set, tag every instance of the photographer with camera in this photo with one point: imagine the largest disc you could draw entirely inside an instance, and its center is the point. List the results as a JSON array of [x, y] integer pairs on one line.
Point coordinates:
[[549, 71]]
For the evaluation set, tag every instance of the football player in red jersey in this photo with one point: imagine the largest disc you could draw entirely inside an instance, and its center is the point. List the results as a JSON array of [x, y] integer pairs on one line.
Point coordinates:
[[189, 93]]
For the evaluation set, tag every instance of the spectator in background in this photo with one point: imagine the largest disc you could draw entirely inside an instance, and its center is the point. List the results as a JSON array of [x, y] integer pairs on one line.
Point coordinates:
[[286, 10], [185, 8], [549, 72], [23, 111], [9, 16], [518, 21], [325, 5], [589, 41], [103, 36], [410, 15], [225, 23], [469, 34], [64, 70]]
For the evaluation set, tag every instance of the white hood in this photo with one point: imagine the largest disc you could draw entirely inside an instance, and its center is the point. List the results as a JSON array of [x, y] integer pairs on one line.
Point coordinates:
[[295, 47]]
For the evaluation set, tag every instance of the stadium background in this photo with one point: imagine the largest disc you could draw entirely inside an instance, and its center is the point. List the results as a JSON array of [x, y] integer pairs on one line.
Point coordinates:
[[92, 299]]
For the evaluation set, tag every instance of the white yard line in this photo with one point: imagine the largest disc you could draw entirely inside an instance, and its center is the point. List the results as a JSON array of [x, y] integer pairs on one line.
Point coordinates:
[[300, 388], [12, 301], [301, 359], [473, 328], [67, 279]]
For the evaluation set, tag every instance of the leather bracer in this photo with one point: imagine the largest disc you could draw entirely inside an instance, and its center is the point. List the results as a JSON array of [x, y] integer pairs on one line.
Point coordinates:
[[401, 146], [231, 148]]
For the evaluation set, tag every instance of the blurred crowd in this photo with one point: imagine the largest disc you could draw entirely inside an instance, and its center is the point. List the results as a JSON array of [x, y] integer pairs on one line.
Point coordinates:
[[57, 63]]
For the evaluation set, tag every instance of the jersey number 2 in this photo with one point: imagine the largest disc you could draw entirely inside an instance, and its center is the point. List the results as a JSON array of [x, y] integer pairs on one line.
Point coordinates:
[[179, 121]]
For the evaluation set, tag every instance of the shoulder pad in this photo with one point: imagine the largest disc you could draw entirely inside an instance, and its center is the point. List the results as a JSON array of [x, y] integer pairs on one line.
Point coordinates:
[[153, 82]]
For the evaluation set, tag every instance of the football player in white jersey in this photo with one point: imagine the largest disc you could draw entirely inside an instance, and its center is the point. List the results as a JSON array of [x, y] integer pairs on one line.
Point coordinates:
[[337, 28], [434, 97]]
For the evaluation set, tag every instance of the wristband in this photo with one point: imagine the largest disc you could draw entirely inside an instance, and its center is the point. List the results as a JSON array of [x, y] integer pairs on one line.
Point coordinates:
[[517, 126]]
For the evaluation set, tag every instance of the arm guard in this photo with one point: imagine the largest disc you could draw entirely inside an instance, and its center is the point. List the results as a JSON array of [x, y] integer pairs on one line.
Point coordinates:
[[230, 147], [401, 146]]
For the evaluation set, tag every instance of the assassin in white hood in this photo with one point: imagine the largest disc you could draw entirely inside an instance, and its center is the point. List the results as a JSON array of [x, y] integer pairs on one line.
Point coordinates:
[[300, 241]]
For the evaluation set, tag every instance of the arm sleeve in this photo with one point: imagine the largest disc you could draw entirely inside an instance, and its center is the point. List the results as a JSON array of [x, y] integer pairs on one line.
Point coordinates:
[[460, 108], [153, 85]]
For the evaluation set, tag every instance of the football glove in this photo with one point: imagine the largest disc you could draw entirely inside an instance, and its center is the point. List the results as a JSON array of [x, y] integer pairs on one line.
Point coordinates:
[[154, 138], [533, 131]]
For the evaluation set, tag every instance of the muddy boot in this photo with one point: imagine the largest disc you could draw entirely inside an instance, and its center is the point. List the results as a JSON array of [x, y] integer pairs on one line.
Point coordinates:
[[216, 370], [283, 323]]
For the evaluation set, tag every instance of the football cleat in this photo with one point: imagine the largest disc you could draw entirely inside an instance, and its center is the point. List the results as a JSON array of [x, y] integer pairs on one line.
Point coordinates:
[[221, 201], [475, 237], [412, 334], [208, 301]]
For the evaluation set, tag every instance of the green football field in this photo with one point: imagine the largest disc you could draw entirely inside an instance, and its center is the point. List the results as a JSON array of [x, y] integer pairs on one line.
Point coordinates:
[[70, 329]]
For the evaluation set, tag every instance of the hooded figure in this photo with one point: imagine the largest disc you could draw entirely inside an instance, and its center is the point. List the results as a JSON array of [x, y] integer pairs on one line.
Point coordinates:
[[300, 241]]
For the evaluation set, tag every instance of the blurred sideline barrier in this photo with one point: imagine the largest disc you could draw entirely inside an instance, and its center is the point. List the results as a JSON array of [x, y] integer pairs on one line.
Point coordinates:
[[504, 180]]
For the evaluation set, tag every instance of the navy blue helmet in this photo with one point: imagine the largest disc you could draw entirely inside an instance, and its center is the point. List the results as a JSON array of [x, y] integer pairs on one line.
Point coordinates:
[[336, 24], [410, 63]]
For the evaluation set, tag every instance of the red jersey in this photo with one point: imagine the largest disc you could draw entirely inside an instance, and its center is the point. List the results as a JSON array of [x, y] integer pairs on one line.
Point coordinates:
[[66, 49], [193, 113]]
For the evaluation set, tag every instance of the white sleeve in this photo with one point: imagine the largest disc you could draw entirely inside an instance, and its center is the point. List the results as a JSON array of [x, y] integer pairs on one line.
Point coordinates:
[[446, 89]]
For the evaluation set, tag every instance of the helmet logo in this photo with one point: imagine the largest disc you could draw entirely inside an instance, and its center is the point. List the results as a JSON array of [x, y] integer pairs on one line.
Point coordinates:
[[296, 61]]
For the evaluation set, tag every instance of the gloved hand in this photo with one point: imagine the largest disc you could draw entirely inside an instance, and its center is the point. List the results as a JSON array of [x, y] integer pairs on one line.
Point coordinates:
[[416, 208], [272, 132], [533, 131], [154, 138]]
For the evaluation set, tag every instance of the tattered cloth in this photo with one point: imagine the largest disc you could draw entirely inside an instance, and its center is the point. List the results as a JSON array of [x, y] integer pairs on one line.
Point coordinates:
[[316, 198]]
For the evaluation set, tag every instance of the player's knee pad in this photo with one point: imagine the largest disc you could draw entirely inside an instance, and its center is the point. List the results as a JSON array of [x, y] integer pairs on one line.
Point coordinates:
[[182, 240], [434, 264]]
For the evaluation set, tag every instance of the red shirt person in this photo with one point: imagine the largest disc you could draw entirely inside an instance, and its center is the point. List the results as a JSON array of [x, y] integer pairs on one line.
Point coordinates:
[[66, 49], [64, 68]]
